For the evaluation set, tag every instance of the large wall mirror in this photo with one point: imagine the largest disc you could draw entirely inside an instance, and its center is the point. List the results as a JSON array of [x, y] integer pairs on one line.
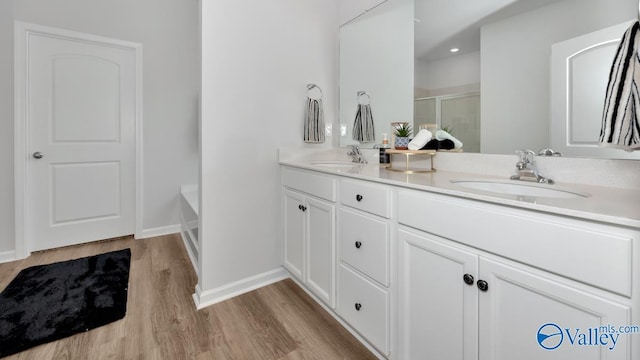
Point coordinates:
[[527, 73]]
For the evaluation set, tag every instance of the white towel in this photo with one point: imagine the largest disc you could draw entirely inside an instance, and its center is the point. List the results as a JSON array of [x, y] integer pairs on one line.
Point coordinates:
[[420, 140], [620, 123], [442, 135]]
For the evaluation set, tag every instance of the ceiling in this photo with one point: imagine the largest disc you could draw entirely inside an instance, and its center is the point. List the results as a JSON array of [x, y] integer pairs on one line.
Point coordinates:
[[445, 24]]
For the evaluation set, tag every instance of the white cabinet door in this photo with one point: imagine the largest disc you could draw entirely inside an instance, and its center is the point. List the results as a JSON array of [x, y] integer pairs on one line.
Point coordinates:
[[309, 243], [293, 233], [438, 309], [521, 314], [320, 250]]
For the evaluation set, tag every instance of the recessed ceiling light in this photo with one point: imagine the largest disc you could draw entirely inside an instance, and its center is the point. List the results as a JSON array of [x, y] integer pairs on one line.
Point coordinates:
[[454, 50]]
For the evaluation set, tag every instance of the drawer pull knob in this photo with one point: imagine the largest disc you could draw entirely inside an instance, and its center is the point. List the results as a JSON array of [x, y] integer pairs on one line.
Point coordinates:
[[358, 244], [359, 197], [468, 279], [302, 207], [358, 306], [483, 285]]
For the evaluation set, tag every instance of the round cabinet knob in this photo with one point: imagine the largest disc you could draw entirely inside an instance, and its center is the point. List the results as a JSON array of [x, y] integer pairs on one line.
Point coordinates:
[[304, 208], [38, 155], [468, 279], [358, 306], [483, 285], [359, 197], [358, 244]]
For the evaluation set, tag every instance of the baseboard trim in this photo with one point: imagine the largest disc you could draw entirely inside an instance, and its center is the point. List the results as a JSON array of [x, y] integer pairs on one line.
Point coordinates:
[[206, 298], [7, 256], [159, 231]]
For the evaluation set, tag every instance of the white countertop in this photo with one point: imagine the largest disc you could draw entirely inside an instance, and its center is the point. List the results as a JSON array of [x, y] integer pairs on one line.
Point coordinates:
[[620, 206]]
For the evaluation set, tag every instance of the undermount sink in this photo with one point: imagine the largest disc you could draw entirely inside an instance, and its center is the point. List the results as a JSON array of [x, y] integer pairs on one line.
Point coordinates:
[[336, 163], [518, 188]]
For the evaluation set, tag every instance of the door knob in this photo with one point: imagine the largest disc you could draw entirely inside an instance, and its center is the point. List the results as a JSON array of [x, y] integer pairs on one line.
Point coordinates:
[[483, 285], [468, 279], [38, 155]]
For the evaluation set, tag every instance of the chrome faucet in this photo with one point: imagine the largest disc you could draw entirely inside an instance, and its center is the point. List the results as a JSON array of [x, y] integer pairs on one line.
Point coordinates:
[[527, 169], [356, 156], [549, 152]]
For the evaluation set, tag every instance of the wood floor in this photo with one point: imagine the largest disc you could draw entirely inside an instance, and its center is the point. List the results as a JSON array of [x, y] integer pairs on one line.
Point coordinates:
[[279, 321]]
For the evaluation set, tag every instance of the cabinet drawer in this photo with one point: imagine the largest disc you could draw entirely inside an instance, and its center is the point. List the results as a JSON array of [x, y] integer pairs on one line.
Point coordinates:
[[364, 244], [364, 196], [596, 254], [365, 306], [315, 184]]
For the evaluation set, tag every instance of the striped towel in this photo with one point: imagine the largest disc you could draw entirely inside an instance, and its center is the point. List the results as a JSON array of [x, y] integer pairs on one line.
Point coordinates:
[[363, 130], [314, 121], [620, 123]]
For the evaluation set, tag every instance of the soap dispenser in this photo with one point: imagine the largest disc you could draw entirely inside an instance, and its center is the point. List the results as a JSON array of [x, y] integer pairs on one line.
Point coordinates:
[[384, 157]]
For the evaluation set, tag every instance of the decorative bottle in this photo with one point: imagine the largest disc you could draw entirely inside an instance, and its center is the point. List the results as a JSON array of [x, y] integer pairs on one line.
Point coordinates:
[[384, 157]]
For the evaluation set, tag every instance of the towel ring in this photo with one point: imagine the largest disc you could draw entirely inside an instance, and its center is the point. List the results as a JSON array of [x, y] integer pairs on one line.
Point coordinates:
[[310, 88], [361, 94]]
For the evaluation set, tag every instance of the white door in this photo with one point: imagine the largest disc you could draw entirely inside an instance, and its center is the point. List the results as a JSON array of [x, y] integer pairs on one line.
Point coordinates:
[[439, 300], [579, 74], [320, 250], [294, 233], [528, 317], [81, 116]]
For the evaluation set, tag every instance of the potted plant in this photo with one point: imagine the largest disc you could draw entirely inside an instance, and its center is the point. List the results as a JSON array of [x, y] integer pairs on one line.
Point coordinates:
[[402, 133]]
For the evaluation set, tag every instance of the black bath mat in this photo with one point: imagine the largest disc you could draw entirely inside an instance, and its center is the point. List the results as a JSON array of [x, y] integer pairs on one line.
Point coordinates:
[[50, 302]]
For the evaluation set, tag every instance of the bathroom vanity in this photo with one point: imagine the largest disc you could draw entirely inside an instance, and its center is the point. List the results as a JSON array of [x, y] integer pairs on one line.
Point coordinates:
[[419, 267]]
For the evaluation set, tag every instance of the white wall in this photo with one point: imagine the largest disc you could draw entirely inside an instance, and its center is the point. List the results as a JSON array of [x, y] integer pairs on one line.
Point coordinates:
[[515, 67], [450, 72], [168, 31], [257, 57], [6, 128]]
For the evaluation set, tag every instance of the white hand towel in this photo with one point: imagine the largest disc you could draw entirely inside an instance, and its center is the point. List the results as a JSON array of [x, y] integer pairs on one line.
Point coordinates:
[[442, 135], [420, 140]]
